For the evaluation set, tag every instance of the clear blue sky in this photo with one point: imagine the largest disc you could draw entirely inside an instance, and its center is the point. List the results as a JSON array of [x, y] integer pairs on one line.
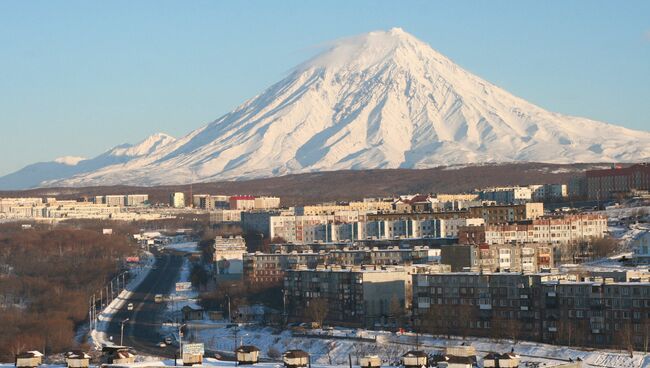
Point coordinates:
[[78, 77]]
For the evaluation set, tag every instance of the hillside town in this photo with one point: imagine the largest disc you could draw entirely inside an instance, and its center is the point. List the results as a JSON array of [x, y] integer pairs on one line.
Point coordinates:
[[552, 264]]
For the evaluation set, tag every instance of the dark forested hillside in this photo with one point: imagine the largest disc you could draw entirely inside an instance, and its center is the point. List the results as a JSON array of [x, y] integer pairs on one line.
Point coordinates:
[[46, 278]]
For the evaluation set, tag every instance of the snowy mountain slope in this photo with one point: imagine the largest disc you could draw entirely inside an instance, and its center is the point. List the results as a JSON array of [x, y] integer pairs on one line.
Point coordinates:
[[379, 100], [64, 167]]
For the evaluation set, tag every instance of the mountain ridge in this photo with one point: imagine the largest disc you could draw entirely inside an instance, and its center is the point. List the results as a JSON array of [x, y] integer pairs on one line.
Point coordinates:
[[383, 99]]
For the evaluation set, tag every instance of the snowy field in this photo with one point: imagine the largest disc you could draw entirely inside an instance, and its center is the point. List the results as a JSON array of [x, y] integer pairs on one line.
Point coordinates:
[[333, 347]]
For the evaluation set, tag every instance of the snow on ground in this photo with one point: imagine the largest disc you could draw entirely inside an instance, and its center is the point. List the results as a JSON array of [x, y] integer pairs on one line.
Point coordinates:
[[98, 336], [179, 299], [333, 347], [189, 247]]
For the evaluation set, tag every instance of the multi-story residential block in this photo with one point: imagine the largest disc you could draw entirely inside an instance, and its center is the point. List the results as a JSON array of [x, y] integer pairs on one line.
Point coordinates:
[[114, 200], [259, 221], [137, 199], [548, 192], [177, 200], [555, 308], [477, 304], [506, 195], [608, 183], [564, 229], [357, 296], [265, 203], [526, 258], [211, 202], [503, 214], [242, 202], [229, 256], [221, 216], [269, 268], [368, 205]]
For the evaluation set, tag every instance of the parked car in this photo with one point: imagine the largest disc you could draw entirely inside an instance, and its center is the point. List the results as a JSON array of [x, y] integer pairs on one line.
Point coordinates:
[[168, 340], [129, 306], [162, 344]]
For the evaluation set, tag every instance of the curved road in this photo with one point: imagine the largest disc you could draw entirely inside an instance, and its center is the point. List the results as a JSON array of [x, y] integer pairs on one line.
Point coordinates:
[[142, 330]]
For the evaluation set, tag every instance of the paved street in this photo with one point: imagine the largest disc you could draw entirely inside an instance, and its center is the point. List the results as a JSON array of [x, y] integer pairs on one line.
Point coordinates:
[[141, 331]]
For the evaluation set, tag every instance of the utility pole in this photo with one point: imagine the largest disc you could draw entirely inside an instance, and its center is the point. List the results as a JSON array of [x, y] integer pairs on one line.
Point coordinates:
[[229, 316], [284, 306]]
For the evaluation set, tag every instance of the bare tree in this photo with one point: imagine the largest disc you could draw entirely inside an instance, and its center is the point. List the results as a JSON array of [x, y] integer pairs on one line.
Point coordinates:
[[317, 310], [603, 247]]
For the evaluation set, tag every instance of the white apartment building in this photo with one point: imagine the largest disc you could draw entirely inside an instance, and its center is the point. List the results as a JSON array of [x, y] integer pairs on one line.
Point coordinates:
[[507, 195], [265, 203], [452, 225], [220, 216], [137, 199], [114, 200], [229, 255], [544, 192], [177, 200]]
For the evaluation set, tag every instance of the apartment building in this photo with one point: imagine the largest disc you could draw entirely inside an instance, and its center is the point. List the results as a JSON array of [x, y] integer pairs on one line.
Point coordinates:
[[526, 258], [177, 200], [608, 183], [265, 203], [222, 216], [595, 312], [557, 308], [229, 256], [477, 304], [355, 296], [563, 229], [211, 202], [260, 221], [269, 268], [137, 199], [506, 195], [368, 205], [503, 214], [118, 200], [242, 202], [549, 192], [306, 228]]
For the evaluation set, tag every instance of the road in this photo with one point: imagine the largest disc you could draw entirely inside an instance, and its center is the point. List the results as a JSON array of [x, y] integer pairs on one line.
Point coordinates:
[[142, 330]]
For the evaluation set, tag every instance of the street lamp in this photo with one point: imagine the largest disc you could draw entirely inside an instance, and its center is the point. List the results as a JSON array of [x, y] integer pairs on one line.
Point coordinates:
[[180, 339], [229, 316], [122, 331]]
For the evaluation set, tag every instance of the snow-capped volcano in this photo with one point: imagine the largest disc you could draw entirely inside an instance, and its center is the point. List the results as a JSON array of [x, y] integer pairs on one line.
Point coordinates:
[[378, 100]]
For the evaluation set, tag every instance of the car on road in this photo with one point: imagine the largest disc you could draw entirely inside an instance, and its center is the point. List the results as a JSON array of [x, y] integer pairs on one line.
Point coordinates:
[[161, 344], [129, 306], [158, 298]]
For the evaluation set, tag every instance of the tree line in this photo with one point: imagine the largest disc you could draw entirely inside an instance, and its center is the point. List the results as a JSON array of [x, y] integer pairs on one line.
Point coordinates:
[[47, 274]]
